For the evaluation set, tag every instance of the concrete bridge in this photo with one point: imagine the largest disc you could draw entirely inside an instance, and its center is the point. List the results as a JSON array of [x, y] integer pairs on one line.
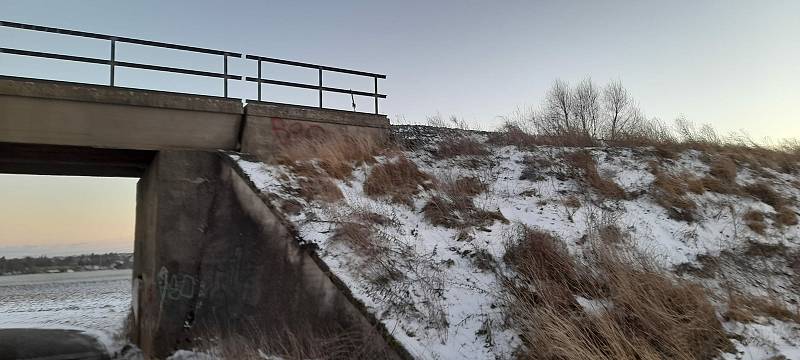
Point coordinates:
[[210, 251]]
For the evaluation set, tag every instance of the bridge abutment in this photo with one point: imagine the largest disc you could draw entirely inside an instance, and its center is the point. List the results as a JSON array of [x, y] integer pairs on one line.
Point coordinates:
[[212, 256]]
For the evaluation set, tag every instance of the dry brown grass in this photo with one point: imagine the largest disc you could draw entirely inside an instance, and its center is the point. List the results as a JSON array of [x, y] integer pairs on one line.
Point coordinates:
[[583, 160], [465, 187], [641, 311], [305, 343], [745, 307], [536, 254], [765, 193], [611, 234], [512, 134], [315, 185], [336, 154], [442, 212], [572, 201], [460, 146], [716, 185], [724, 169], [399, 180], [755, 221], [694, 185], [786, 216], [359, 236], [667, 140], [762, 191], [458, 213], [455, 207], [760, 249], [670, 192]]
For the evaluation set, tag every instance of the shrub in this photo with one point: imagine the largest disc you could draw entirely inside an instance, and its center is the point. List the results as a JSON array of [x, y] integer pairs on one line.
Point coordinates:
[[400, 180]]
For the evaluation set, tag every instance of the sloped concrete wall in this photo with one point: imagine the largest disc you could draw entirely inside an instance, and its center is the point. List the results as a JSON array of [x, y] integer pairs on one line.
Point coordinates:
[[210, 254]]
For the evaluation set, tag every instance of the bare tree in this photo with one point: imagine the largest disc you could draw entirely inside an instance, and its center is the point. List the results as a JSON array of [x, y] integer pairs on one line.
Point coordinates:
[[586, 108], [622, 114], [617, 105], [556, 118]]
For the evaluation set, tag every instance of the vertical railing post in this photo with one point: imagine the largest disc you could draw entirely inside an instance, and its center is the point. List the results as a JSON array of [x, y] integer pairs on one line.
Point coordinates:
[[320, 87], [113, 59], [259, 79], [376, 94], [225, 61]]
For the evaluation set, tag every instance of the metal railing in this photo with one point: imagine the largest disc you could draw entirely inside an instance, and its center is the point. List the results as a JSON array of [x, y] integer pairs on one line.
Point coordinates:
[[113, 63], [319, 86]]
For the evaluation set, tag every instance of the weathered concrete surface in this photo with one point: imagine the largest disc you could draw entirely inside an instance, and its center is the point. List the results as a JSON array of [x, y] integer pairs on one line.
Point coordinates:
[[49, 344], [59, 113], [270, 127], [210, 254]]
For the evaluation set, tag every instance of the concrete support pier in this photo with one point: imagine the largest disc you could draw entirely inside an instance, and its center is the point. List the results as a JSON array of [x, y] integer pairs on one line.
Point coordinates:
[[211, 256]]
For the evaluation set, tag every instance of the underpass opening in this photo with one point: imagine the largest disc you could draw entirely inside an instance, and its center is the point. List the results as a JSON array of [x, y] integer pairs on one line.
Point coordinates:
[[67, 225]]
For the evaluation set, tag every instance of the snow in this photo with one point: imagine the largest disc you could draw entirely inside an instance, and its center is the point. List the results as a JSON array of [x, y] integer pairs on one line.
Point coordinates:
[[94, 302], [469, 296], [190, 355]]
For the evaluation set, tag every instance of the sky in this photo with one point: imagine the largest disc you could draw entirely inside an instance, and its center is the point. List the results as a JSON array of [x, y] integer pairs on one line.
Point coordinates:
[[732, 64]]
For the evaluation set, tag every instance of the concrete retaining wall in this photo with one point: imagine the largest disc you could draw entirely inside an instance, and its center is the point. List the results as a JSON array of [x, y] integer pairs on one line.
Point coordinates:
[[270, 127], [210, 254]]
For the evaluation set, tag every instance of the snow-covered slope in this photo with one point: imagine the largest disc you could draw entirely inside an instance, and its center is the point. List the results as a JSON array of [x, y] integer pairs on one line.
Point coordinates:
[[436, 288]]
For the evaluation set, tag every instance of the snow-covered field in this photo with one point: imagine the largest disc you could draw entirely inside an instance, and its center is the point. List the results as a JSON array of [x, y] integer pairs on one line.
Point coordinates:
[[451, 307], [94, 301]]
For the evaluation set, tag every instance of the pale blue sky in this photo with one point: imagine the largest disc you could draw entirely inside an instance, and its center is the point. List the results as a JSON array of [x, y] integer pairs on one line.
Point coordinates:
[[729, 63]]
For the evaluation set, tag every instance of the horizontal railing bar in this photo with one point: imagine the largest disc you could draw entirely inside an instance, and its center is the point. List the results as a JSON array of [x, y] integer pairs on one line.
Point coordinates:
[[117, 38], [313, 87], [54, 56], [312, 66], [176, 70], [116, 63]]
